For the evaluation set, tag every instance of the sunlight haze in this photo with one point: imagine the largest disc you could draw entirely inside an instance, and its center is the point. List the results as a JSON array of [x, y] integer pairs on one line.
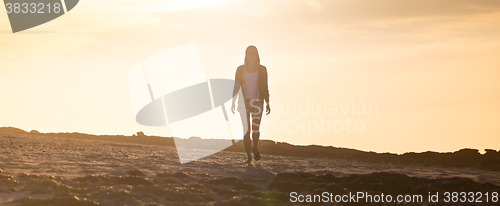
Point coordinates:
[[431, 67]]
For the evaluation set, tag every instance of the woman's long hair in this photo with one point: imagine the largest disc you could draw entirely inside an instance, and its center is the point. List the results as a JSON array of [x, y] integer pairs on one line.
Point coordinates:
[[257, 60]]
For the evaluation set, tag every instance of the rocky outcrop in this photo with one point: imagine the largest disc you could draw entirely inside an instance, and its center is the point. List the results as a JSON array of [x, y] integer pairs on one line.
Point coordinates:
[[466, 157]]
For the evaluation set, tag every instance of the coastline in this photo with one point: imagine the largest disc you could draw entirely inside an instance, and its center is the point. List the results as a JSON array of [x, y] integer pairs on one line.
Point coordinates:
[[463, 158], [80, 169]]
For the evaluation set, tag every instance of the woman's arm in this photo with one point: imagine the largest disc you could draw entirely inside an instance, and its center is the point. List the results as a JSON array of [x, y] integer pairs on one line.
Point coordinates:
[[236, 88], [266, 90], [266, 86]]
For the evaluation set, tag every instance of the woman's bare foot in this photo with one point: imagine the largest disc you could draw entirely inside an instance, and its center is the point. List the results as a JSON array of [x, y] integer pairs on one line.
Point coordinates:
[[256, 153]]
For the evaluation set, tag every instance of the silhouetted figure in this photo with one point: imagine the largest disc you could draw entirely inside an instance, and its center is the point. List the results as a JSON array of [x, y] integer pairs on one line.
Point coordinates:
[[253, 80]]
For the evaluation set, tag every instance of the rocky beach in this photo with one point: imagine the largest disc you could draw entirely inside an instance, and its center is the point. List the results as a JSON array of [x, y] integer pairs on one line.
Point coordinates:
[[82, 169]]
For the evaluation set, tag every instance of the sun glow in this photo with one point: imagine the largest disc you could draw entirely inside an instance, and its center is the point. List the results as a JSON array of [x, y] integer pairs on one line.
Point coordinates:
[[174, 5]]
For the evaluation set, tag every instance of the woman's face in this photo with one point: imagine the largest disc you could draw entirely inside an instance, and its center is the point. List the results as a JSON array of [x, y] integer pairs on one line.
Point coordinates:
[[252, 54]]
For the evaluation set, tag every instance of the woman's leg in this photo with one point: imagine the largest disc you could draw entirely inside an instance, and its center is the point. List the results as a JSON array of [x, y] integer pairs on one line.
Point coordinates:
[[246, 137], [256, 119]]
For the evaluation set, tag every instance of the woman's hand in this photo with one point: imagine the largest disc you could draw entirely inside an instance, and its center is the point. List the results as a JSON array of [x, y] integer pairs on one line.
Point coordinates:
[[268, 109], [232, 108]]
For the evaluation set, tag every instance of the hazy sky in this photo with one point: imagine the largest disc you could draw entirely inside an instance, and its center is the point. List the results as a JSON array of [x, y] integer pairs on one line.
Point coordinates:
[[432, 67]]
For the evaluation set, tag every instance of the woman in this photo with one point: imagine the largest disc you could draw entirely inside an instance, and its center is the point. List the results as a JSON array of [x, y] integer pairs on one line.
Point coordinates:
[[252, 77]]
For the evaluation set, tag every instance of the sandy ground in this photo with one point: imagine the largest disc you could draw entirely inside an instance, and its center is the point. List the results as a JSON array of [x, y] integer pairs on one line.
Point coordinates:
[[45, 170]]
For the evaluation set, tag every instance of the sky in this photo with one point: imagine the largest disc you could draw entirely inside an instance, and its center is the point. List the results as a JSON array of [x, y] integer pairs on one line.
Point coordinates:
[[429, 69]]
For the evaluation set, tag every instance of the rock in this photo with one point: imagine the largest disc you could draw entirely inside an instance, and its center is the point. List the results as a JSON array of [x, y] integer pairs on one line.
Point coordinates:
[[136, 172], [172, 175], [232, 181], [133, 180], [113, 180], [291, 182], [12, 130], [195, 138], [491, 153], [375, 183], [183, 196], [56, 201], [467, 152]]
